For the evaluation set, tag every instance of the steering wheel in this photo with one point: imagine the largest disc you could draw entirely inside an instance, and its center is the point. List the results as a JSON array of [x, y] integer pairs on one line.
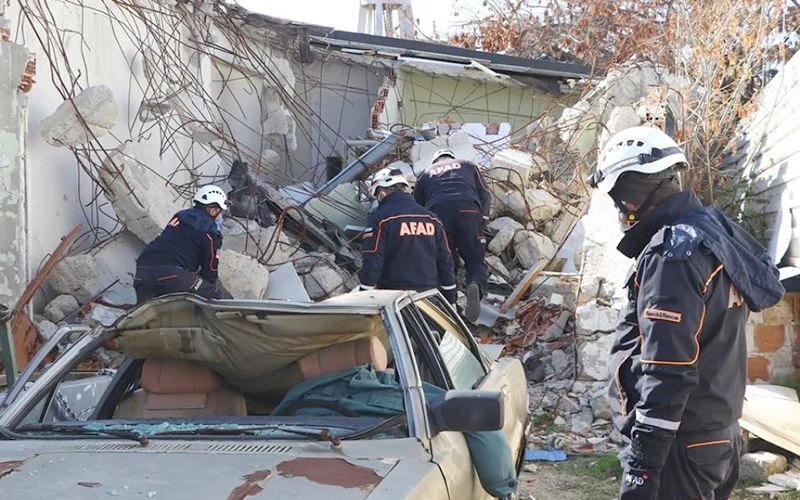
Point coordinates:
[[339, 408]]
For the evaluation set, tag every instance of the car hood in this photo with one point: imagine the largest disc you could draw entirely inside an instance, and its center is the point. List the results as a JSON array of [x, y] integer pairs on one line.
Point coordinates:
[[233, 470]]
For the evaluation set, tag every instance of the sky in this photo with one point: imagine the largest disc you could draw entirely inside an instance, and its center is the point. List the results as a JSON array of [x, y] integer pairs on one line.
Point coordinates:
[[343, 14]]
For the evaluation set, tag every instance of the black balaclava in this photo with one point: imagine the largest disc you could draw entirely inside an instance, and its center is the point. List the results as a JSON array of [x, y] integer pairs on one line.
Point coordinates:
[[644, 190]]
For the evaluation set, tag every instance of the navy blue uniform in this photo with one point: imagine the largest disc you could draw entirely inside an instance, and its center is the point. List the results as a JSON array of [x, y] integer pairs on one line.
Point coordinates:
[[183, 258], [405, 248], [454, 190], [678, 364]]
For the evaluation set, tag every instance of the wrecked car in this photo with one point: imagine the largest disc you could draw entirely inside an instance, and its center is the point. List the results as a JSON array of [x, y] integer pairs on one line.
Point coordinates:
[[366, 395]]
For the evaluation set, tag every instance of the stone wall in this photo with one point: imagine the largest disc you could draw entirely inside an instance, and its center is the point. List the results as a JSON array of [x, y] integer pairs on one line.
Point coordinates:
[[773, 342]]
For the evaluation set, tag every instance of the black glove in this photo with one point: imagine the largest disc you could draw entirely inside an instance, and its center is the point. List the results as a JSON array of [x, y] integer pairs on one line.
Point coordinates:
[[639, 482], [643, 459]]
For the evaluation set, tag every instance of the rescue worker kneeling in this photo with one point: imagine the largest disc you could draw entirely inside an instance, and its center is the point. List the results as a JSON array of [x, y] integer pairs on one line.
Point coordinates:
[[404, 246], [184, 257]]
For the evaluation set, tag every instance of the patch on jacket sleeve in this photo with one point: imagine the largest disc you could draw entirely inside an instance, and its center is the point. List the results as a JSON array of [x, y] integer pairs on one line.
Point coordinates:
[[662, 315]]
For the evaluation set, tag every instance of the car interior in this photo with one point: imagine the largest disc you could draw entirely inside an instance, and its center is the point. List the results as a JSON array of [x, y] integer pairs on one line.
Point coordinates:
[[184, 360]]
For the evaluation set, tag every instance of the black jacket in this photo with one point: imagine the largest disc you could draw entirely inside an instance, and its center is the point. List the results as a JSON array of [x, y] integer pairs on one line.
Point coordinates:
[[405, 248], [679, 358], [452, 181], [190, 240]]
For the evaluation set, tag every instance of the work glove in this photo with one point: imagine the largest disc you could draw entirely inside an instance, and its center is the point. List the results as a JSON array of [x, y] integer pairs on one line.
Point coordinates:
[[639, 482], [642, 462]]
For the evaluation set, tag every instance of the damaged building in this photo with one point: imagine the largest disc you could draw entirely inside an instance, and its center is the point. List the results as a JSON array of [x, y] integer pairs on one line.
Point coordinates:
[[129, 106], [108, 128]]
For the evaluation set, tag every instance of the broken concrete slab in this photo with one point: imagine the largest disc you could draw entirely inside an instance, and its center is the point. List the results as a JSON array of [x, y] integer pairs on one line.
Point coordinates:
[[107, 269], [104, 315], [620, 118], [531, 248], [500, 241], [592, 317], [115, 261], [496, 266], [593, 357], [321, 276], [535, 205], [285, 284], [60, 307], [501, 223], [242, 276], [758, 466], [143, 200], [515, 168], [76, 275], [97, 113], [269, 245], [46, 328]]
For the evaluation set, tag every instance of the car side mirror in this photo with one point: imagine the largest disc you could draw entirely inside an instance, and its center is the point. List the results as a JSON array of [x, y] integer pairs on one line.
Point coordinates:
[[468, 411]]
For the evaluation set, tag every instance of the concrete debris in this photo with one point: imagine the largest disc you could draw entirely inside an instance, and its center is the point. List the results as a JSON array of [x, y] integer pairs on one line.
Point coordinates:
[[535, 205], [242, 276], [594, 357], [76, 275], [322, 277], [592, 317], [515, 168], [531, 247], [46, 329], [285, 284], [790, 480], [496, 266], [105, 315], [60, 307], [97, 113], [758, 466], [106, 269], [503, 223], [501, 240], [131, 179], [270, 245]]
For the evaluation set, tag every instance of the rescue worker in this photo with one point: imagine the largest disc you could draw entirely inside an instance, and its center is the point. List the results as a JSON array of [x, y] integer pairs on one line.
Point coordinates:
[[678, 362], [455, 191], [184, 257], [404, 246]]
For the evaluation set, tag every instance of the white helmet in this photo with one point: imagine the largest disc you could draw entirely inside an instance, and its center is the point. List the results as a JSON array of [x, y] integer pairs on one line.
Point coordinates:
[[440, 153], [208, 195], [637, 149], [386, 177]]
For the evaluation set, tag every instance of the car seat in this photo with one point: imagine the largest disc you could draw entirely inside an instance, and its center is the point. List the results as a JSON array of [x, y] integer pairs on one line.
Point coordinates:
[[331, 359], [178, 388]]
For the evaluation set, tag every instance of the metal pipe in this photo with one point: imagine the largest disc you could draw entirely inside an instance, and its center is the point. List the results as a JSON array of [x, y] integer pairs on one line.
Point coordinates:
[[372, 156]]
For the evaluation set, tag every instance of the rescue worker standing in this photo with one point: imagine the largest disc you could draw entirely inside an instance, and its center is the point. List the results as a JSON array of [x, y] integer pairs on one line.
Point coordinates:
[[405, 246], [678, 363], [183, 258], [455, 191]]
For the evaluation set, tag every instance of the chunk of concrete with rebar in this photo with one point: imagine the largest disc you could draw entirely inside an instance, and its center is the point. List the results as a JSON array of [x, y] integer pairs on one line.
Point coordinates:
[[81, 119], [141, 198]]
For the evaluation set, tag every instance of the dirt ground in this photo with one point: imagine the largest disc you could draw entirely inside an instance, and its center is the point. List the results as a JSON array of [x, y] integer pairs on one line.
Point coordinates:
[[595, 478]]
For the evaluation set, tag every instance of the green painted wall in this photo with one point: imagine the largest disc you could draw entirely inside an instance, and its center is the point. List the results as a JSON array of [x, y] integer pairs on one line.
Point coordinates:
[[420, 97]]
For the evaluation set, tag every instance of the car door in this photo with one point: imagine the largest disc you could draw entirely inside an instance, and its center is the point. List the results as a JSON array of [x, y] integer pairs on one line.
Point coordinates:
[[451, 350]]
